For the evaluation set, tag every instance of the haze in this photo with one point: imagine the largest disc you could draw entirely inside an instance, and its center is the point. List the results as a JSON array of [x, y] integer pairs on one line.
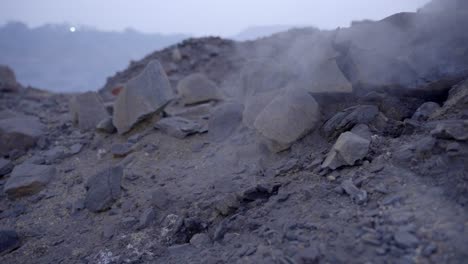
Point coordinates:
[[200, 17]]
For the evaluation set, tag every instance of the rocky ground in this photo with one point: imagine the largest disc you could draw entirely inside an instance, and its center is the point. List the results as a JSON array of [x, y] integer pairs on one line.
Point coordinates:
[[296, 148]]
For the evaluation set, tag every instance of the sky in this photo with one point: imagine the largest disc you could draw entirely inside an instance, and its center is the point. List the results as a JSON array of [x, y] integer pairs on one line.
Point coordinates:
[[199, 17]]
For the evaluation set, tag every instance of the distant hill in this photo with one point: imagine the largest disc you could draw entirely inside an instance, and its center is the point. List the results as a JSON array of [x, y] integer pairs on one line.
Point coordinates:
[[55, 58]]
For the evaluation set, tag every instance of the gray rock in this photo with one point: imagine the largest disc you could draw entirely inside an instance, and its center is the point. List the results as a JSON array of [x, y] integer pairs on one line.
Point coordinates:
[[87, 110], [178, 127], [9, 241], [103, 189], [358, 195], [363, 131], [348, 149], [425, 111], [76, 148], [19, 133], [200, 240], [121, 150], [197, 88], [148, 217], [142, 96], [55, 154], [224, 120], [5, 167], [8, 81], [106, 126], [160, 198], [451, 129], [348, 118], [292, 114], [405, 239], [27, 179], [255, 104]]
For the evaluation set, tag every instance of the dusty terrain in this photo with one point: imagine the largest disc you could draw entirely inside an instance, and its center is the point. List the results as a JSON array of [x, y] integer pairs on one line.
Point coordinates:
[[308, 146]]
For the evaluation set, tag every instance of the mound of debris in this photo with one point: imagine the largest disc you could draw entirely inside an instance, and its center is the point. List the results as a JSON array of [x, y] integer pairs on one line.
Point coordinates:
[[305, 147]]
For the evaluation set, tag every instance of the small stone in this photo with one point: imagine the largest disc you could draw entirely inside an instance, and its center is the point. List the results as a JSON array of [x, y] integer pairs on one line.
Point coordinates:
[[146, 218], [76, 148], [135, 138], [106, 126], [200, 240], [5, 167], [28, 179], [405, 239], [103, 189], [55, 154], [362, 130], [121, 150], [358, 195], [160, 198], [9, 241], [429, 250], [178, 127], [348, 149]]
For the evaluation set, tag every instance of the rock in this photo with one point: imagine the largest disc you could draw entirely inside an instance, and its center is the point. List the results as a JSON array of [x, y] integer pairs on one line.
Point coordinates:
[[358, 195], [224, 120], [146, 94], [451, 129], [255, 104], [348, 149], [19, 133], [55, 154], [87, 110], [178, 127], [106, 126], [348, 118], [9, 241], [292, 114], [121, 150], [197, 88], [76, 148], [200, 240], [160, 198], [5, 167], [425, 111], [8, 81], [148, 217], [404, 239], [456, 104], [103, 189], [27, 179], [363, 131], [191, 111]]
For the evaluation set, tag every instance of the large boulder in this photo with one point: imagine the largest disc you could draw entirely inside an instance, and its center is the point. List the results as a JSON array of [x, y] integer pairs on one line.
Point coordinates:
[[456, 106], [197, 88], [255, 104], [224, 121], [27, 179], [8, 81], [87, 110], [347, 150], [289, 116], [103, 189], [19, 132], [146, 94]]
